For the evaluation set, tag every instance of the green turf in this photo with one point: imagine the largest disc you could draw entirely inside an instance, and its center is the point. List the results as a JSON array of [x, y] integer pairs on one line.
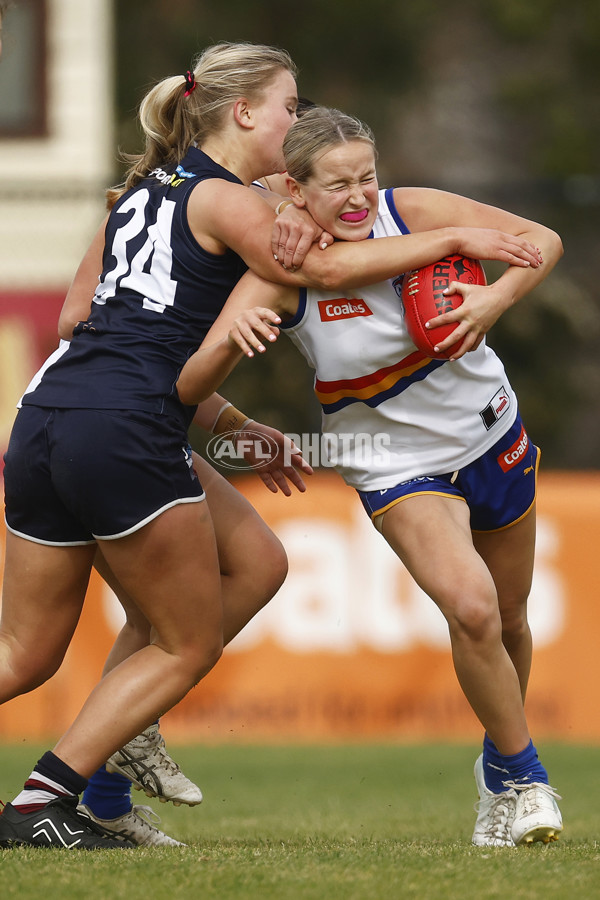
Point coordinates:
[[325, 823]]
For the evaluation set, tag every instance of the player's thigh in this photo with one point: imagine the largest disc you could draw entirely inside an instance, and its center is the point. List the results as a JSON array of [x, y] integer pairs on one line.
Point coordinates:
[[169, 568], [43, 593], [432, 537], [135, 617], [245, 543], [509, 555]]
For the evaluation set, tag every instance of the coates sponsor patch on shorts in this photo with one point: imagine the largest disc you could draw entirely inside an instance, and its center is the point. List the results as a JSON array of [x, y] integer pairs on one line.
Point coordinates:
[[512, 456], [496, 408], [332, 310]]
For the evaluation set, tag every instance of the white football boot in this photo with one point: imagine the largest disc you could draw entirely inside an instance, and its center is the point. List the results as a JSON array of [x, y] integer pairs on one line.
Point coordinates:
[[137, 826], [146, 763], [495, 813], [537, 816]]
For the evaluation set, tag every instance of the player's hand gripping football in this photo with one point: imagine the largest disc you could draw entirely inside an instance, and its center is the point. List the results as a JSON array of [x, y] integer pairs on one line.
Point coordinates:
[[482, 306]]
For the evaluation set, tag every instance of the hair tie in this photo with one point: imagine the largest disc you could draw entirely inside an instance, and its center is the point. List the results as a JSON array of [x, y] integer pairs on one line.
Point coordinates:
[[190, 83]]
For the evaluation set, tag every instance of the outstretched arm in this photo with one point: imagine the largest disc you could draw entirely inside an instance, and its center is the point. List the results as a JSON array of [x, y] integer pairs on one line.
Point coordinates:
[[222, 215], [482, 232]]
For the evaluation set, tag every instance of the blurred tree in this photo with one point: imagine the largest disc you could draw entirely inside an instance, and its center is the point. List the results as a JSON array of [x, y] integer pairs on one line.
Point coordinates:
[[496, 100]]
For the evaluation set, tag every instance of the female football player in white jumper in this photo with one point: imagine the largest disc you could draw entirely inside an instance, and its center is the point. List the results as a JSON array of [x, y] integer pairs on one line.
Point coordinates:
[[453, 490], [98, 455]]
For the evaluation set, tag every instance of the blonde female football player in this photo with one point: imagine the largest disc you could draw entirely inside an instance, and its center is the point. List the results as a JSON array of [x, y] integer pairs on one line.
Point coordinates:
[[100, 439], [252, 563], [453, 492]]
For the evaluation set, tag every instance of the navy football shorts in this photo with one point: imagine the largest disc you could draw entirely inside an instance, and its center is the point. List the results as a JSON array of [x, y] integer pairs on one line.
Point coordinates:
[[499, 487], [74, 475]]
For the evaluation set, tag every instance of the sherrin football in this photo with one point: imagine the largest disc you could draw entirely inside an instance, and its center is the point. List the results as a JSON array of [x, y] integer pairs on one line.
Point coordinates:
[[423, 299]]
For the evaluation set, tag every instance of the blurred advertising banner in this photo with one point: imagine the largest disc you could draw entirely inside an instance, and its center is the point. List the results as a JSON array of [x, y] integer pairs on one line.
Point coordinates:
[[350, 648]]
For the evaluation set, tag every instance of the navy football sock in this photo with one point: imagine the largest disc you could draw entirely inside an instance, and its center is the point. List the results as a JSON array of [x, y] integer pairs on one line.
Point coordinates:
[[108, 794], [51, 778], [523, 767]]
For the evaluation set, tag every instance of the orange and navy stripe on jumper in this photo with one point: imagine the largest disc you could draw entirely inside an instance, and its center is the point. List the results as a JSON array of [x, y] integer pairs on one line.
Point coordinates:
[[376, 387]]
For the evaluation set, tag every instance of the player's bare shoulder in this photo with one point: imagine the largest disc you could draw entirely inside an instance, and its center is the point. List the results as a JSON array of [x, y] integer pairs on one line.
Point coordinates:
[[418, 206]]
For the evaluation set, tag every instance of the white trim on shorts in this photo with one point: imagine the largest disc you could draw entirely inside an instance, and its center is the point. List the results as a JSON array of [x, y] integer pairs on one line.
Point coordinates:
[[154, 515], [110, 537], [35, 540]]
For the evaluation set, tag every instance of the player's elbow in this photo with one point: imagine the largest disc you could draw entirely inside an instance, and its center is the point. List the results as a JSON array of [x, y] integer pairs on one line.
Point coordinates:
[[553, 249], [188, 392], [558, 244], [65, 327]]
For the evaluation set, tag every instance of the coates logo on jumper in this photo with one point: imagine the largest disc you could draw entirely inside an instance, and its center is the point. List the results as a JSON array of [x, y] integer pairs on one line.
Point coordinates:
[[332, 310], [238, 450], [514, 454]]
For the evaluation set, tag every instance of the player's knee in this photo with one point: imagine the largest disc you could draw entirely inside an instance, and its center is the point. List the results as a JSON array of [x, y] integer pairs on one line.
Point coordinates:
[[24, 674], [514, 624], [276, 569], [265, 574], [199, 659], [477, 621], [214, 654]]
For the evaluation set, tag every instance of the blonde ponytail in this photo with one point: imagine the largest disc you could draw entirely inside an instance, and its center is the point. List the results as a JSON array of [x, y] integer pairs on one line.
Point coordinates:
[[173, 115]]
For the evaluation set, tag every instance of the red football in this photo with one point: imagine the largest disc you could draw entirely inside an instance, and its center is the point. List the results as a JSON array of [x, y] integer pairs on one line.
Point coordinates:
[[423, 299]]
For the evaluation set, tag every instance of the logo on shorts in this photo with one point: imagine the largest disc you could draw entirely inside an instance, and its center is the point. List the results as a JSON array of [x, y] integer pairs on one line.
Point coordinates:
[[332, 310], [496, 408], [514, 454], [420, 479], [187, 453]]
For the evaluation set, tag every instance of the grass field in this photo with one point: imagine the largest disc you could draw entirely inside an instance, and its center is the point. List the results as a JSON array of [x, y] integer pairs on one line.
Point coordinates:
[[325, 823]]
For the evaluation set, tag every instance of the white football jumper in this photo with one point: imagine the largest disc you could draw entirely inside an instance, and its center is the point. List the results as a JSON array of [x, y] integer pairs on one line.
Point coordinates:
[[431, 416]]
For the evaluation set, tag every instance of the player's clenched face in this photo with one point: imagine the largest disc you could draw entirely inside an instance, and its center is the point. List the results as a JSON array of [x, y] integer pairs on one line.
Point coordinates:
[[342, 193]]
